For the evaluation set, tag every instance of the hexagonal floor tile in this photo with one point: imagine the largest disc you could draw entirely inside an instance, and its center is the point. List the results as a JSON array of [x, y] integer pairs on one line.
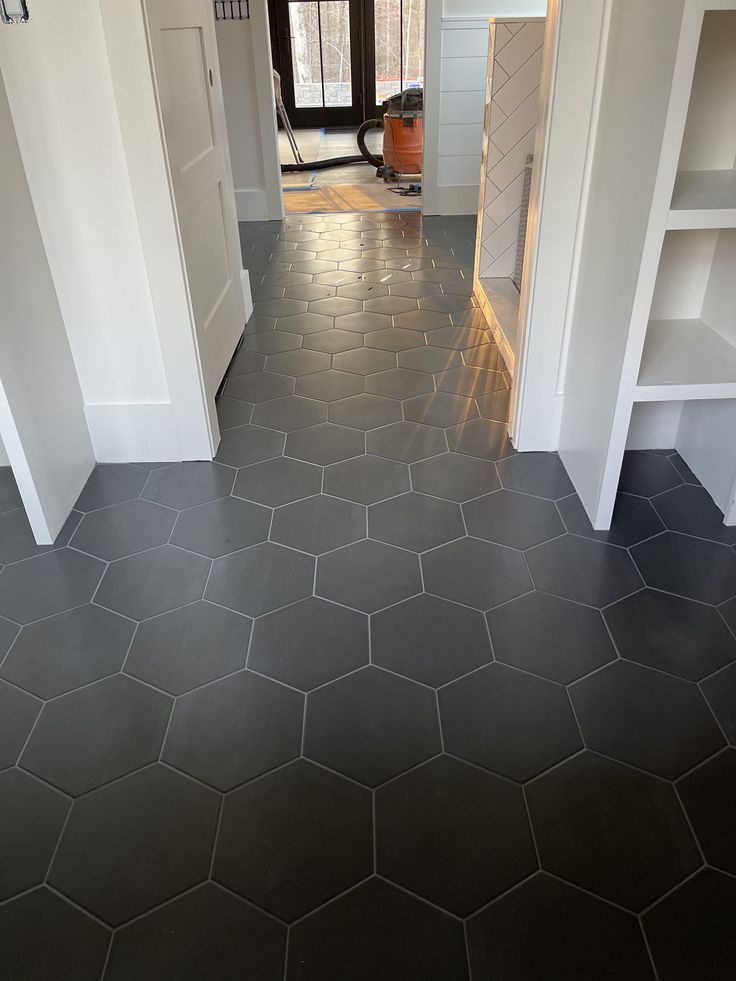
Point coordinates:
[[362, 291], [540, 474], [155, 821], [48, 584], [415, 521], [72, 649], [329, 386], [614, 831], [281, 308], [454, 477], [207, 932], [482, 438], [634, 520], [310, 291], [318, 524], [393, 339], [184, 485], [305, 323], [339, 277], [422, 320], [432, 826], [371, 726], [278, 481], [689, 567], [365, 361], [584, 571], [415, 290], [111, 483], [366, 479], [220, 527], [648, 719], [335, 306], [429, 640], [189, 647], [260, 579], [249, 444], [432, 359], [153, 582], [32, 818], [368, 576], [720, 691], [475, 573], [300, 362], [547, 929], [472, 382], [406, 442], [646, 474], [690, 933], [9, 495], [308, 644], [365, 412], [377, 931], [294, 839], [46, 937], [290, 413], [671, 634], [333, 342], [260, 387], [325, 444], [16, 537], [550, 637], [233, 730], [362, 323], [399, 383], [457, 338], [440, 409], [709, 797], [391, 305], [513, 519], [508, 721], [97, 734]]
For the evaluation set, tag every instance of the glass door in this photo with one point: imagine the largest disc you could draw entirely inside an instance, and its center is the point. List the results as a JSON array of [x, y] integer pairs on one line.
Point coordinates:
[[319, 60], [395, 52]]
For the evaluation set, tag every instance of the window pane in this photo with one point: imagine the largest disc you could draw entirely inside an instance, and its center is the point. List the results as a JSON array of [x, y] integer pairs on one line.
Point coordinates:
[[304, 30], [335, 16], [399, 37]]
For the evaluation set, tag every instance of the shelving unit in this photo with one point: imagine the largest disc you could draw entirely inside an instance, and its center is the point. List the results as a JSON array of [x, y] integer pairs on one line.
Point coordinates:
[[665, 258]]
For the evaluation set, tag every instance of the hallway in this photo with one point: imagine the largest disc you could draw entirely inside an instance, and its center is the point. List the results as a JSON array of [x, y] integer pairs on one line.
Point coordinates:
[[367, 699]]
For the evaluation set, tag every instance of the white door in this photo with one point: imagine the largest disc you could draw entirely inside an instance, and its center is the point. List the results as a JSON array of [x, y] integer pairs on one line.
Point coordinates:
[[42, 422], [187, 76]]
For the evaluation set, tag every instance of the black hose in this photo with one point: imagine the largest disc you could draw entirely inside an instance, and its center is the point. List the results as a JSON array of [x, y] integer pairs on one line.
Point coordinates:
[[375, 160], [320, 164]]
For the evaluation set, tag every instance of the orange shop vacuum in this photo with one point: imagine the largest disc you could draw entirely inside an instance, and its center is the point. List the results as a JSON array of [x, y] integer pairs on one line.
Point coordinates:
[[402, 124]]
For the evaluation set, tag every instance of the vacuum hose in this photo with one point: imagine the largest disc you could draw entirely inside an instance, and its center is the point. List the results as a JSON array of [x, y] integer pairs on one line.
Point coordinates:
[[375, 160]]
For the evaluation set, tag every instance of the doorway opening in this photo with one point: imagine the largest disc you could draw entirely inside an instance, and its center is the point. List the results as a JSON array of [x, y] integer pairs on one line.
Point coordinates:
[[337, 62]]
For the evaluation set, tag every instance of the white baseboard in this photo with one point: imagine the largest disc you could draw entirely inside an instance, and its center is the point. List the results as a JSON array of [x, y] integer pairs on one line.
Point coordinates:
[[130, 433], [251, 204], [454, 200], [247, 297]]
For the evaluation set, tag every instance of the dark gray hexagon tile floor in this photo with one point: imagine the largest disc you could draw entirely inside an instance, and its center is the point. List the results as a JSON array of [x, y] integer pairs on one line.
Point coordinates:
[[367, 697]]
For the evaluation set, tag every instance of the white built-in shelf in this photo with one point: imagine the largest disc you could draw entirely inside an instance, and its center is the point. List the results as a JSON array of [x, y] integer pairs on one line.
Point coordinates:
[[685, 359], [499, 301], [703, 199]]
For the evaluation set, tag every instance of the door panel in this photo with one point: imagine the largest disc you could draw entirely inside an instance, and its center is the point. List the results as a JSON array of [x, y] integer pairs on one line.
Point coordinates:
[[187, 77], [320, 61]]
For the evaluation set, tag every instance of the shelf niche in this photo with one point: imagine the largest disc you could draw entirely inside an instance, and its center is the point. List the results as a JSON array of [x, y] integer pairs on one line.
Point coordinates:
[[704, 194]]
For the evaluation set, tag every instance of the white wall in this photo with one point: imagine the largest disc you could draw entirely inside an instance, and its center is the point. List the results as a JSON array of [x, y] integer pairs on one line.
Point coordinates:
[[456, 50], [60, 92], [244, 50]]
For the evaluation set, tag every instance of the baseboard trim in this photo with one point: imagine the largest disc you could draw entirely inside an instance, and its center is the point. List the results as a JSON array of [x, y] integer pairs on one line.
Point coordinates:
[[130, 433], [247, 297], [251, 204]]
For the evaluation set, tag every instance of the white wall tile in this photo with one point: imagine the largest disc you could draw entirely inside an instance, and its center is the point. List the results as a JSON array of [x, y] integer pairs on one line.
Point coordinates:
[[518, 86], [463, 74], [463, 140], [461, 107], [465, 44], [459, 170], [521, 47]]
